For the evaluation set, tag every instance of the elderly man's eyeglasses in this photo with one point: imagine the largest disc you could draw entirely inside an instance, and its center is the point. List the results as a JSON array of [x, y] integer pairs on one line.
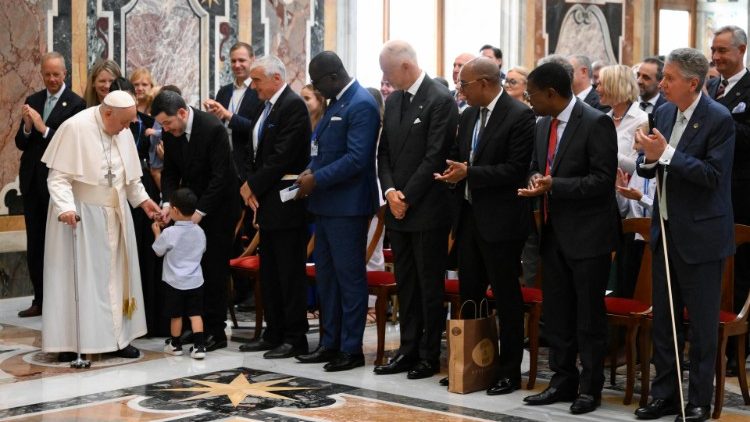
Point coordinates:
[[319, 80], [463, 84]]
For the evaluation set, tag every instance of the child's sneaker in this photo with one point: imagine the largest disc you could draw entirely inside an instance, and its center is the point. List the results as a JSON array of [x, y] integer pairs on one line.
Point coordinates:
[[198, 352], [172, 350]]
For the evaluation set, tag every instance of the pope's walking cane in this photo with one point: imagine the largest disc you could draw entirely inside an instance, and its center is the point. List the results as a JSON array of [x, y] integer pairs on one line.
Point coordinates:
[[671, 301], [78, 363]]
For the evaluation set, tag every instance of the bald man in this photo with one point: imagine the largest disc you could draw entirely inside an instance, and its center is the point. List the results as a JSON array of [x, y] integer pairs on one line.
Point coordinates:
[[94, 172], [458, 63], [419, 126], [488, 164]]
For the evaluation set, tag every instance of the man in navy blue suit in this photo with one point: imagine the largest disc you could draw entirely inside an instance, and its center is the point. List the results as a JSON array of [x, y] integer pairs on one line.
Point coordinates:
[[236, 103], [690, 153], [42, 113], [340, 181]]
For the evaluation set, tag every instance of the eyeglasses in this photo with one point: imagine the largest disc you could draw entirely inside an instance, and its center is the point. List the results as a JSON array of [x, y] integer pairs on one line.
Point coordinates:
[[463, 84], [512, 82], [527, 95], [319, 80]]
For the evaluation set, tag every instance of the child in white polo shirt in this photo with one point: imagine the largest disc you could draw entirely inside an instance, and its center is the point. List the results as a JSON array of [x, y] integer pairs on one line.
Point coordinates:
[[182, 246]]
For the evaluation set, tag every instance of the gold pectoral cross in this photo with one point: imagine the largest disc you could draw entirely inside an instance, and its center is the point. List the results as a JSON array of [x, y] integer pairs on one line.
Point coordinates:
[[128, 307]]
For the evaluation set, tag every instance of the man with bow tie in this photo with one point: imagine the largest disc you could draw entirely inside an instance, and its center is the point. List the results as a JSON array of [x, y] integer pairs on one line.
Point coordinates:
[[42, 113], [649, 75]]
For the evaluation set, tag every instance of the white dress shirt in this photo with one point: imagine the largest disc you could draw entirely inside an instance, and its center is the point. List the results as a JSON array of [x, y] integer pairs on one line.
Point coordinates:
[[633, 118]]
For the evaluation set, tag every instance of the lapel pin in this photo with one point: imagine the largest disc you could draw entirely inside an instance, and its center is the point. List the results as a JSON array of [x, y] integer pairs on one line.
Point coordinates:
[[65, 104], [696, 125]]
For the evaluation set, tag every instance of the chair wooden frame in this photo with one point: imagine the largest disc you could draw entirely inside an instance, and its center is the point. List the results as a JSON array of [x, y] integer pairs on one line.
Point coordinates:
[[632, 322]]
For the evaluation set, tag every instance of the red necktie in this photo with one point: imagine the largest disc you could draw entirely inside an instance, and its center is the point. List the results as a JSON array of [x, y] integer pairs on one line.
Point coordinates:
[[551, 146]]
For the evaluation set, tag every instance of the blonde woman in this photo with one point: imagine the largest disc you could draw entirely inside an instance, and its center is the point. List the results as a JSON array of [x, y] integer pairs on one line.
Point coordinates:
[[618, 89], [143, 83], [515, 83], [101, 76], [316, 104]]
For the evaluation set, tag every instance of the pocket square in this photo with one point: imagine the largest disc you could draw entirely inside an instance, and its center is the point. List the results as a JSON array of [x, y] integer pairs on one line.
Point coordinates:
[[335, 118], [740, 108], [417, 121]]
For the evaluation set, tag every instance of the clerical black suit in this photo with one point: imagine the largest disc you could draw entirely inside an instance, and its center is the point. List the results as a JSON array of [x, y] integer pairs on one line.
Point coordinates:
[[283, 150], [494, 222], [737, 100], [33, 177], [414, 144], [203, 164], [577, 239], [592, 99], [241, 123]]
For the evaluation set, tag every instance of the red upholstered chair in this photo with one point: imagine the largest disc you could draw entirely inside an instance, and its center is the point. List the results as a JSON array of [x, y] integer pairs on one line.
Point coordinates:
[[381, 284], [532, 302], [630, 314], [732, 325], [247, 265], [452, 295]]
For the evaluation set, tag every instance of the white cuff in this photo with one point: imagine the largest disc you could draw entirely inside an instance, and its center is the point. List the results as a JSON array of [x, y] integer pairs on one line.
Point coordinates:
[[666, 156]]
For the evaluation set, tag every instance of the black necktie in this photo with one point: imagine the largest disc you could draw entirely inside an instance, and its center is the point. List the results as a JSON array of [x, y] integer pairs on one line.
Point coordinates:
[[405, 102], [483, 122], [722, 86]]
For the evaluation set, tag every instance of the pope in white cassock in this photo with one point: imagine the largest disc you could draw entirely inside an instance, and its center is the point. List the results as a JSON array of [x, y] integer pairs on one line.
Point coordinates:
[[93, 170]]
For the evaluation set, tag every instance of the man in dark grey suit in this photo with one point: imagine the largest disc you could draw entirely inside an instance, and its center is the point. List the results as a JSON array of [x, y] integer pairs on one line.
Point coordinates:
[[489, 162], [43, 112], [419, 127], [582, 87], [727, 52], [690, 153], [573, 167]]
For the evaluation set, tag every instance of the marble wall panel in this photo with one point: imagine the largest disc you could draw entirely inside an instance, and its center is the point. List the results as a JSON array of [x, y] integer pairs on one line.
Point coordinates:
[[579, 27], [286, 27], [165, 37], [22, 43]]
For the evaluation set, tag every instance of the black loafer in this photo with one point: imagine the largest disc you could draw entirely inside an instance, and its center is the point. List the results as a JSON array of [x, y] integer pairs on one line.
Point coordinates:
[[423, 369], [319, 355], [36, 310], [585, 403], [548, 396], [128, 352], [397, 364], [258, 345], [504, 386], [67, 356], [344, 362], [656, 409], [695, 414], [215, 342], [284, 351], [443, 382]]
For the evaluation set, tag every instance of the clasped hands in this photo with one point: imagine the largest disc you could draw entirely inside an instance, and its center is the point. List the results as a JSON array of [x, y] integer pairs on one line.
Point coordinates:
[[32, 118], [651, 145], [621, 185]]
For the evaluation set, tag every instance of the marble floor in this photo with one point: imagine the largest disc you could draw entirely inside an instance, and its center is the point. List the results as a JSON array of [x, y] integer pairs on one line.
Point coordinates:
[[233, 386]]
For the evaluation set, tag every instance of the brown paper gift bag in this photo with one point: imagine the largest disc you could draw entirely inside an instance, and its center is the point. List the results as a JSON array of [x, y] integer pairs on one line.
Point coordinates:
[[473, 351]]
